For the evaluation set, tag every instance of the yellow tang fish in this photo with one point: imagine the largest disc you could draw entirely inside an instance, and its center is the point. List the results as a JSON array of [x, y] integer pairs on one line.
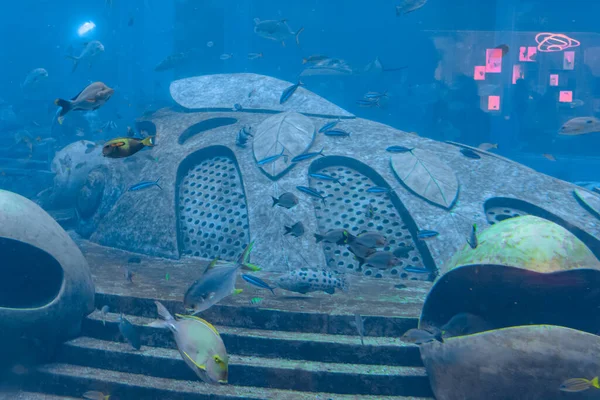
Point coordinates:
[[125, 146]]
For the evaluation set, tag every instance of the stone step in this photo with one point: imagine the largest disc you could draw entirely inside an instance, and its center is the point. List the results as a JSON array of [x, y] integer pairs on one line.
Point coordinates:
[[261, 372], [276, 344], [36, 396], [70, 380], [279, 314]]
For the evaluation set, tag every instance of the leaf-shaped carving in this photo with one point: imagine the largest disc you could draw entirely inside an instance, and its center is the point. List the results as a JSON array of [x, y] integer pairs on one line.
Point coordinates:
[[427, 176], [589, 201], [289, 131]]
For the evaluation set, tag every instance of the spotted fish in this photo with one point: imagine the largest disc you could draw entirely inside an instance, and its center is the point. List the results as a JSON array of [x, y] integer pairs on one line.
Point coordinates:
[[306, 280]]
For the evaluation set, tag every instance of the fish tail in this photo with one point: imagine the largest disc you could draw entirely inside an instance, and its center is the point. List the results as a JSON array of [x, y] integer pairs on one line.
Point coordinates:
[[272, 290], [237, 291], [321, 152], [65, 106], [75, 62], [595, 383], [163, 312], [275, 201], [298, 35], [156, 183], [288, 229], [304, 61], [149, 141], [319, 237]]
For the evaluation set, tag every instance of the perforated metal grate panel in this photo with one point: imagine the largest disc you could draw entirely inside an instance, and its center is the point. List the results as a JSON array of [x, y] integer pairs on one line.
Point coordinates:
[[213, 218], [348, 208], [497, 214]]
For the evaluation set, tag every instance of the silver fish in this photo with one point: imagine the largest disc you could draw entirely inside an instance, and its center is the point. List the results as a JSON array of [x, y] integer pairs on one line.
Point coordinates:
[[278, 31], [215, 284], [90, 50], [34, 77]]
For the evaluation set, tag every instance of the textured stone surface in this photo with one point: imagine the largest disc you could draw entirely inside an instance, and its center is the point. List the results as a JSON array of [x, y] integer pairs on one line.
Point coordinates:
[[460, 368], [289, 132], [589, 201], [146, 221], [222, 91], [60, 318]]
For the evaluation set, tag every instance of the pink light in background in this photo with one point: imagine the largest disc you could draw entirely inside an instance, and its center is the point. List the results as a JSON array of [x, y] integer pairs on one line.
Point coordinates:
[[566, 96], [553, 79], [527, 54], [493, 63], [517, 73], [551, 42], [494, 103], [479, 74], [569, 60]]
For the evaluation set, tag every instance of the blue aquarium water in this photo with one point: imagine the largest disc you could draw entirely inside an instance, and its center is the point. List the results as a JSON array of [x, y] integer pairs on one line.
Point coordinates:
[[299, 200]]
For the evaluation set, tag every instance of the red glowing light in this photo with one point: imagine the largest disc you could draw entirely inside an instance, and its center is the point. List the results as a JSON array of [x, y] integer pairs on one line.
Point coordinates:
[[517, 73], [550, 42], [494, 103], [569, 60], [479, 74], [554, 80], [493, 62], [566, 96]]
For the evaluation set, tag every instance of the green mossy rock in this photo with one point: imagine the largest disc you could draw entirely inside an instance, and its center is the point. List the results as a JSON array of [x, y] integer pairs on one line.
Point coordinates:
[[527, 242]]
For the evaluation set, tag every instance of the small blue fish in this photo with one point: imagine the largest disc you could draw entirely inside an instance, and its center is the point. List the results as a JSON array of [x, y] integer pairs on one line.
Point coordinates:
[[237, 107], [415, 270], [241, 139], [470, 154], [398, 149], [425, 234], [253, 280], [271, 159], [307, 156], [329, 125], [368, 103], [312, 192], [336, 132], [325, 177], [287, 93], [144, 185], [378, 190]]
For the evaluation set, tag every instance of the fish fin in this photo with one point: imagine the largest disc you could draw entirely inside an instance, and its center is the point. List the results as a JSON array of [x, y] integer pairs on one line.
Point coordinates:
[[245, 256], [202, 367], [149, 141], [213, 263], [288, 230], [275, 201], [66, 106], [212, 328], [251, 267], [163, 312], [237, 291], [319, 237], [298, 36], [595, 383]]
